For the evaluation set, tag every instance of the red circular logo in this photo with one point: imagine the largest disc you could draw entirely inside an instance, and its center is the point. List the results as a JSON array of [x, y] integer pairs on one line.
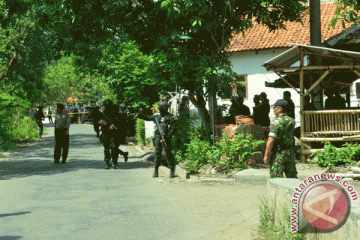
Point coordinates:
[[325, 206]]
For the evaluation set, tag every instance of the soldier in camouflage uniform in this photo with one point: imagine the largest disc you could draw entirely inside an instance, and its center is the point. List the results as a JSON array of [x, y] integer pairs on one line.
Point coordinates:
[[280, 147]]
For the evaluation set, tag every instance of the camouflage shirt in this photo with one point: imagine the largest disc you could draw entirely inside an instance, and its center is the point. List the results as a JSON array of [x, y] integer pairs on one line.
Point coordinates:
[[282, 128]]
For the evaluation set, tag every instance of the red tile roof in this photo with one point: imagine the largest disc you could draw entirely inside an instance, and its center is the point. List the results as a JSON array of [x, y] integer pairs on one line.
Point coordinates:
[[259, 37]]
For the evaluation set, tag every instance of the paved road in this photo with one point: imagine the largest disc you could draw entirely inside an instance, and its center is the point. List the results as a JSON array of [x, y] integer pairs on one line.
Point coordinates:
[[81, 200]]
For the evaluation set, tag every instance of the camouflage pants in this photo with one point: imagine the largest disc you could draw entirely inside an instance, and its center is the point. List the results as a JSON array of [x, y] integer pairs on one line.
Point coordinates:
[[283, 162]]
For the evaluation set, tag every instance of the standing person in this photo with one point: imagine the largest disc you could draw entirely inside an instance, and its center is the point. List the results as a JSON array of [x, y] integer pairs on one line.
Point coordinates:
[[280, 147], [308, 106], [62, 127], [234, 109], [123, 115], [95, 115], [76, 115], [184, 107], [264, 110], [167, 123], [290, 109], [50, 116], [39, 116], [110, 126], [243, 109], [121, 130], [256, 110]]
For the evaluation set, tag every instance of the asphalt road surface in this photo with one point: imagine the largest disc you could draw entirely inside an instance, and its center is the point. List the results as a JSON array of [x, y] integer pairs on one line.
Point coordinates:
[[82, 200]]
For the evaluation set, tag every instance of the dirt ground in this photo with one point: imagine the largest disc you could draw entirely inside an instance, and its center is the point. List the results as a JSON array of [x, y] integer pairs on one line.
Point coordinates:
[[228, 210]]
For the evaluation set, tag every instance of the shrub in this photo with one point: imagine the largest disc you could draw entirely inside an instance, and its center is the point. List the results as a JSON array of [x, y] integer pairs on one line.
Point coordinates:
[[229, 154], [235, 153], [197, 153], [25, 129], [331, 156], [140, 131], [270, 229]]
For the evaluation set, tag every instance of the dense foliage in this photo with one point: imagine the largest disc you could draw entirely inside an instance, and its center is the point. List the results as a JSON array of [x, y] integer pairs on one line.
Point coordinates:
[[15, 124], [226, 154], [332, 156], [127, 50], [65, 81]]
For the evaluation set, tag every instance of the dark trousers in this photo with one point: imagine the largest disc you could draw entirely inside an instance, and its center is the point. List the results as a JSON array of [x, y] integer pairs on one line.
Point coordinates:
[[111, 151], [41, 127], [96, 127], [158, 150], [50, 119], [61, 142]]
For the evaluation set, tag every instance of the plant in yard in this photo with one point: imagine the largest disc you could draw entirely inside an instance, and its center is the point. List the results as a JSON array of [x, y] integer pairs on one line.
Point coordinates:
[[331, 156], [26, 129], [197, 153], [270, 229], [236, 152]]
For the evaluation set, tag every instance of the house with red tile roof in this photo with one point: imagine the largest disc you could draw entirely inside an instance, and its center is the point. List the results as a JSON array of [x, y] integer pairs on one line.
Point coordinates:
[[249, 51]]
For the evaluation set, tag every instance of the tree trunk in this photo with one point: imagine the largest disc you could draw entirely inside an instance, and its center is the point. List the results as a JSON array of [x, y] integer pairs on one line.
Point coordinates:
[[200, 104]]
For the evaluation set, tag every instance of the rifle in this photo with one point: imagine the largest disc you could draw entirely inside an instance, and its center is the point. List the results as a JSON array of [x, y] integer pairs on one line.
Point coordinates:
[[109, 120], [162, 134]]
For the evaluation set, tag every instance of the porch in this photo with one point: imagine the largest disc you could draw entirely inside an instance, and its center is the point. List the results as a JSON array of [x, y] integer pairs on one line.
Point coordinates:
[[338, 67]]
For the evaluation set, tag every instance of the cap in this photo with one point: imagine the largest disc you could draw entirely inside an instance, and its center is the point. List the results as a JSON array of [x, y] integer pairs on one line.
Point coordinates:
[[60, 106], [281, 103]]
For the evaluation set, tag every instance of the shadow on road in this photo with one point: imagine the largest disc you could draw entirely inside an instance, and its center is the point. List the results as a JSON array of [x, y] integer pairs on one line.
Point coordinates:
[[85, 152], [10, 237], [13, 214]]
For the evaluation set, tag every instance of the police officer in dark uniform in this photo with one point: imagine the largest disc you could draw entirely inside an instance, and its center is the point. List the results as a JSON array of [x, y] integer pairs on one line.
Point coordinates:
[[110, 126], [39, 116], [122, 130], [167, 123], [95, 115]]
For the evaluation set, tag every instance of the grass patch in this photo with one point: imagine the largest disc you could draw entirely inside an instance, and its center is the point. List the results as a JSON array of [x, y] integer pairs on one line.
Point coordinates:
[[275, 229]]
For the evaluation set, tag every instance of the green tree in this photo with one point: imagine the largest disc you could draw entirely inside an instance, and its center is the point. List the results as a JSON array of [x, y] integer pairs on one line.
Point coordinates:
[[128, 74], [25, 50], [83, 25], [346, 11], [65, 80]]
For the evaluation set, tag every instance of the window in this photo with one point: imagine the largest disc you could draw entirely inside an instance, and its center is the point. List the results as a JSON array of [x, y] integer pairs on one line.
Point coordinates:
[[240, 88]]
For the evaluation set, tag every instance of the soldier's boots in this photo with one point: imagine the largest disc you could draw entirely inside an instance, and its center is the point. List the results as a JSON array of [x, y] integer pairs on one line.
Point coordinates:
[[172, 173], [156, 173], [108, 165], [116, 166], [126, 154]]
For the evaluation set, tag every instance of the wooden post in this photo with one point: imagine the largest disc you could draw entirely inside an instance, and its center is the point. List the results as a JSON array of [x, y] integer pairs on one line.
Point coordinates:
[[302, 120]]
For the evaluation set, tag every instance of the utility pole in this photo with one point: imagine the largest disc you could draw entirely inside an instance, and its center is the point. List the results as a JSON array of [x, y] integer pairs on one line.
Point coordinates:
[[315, 40]]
